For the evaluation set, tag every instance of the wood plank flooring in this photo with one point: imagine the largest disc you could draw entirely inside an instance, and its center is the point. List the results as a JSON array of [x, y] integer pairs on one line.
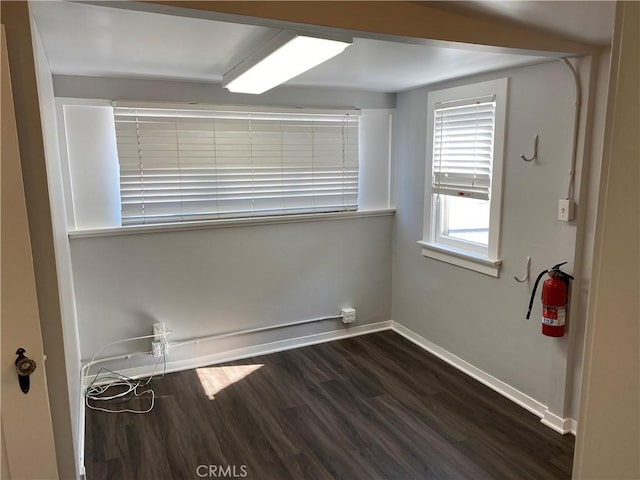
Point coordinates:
[[369, 407]]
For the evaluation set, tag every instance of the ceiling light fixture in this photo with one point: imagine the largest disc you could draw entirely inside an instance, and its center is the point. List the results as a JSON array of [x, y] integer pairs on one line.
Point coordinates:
[[285, 56]]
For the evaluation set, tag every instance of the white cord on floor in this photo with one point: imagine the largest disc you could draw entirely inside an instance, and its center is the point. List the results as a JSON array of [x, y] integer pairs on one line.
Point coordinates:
[[96, 393]]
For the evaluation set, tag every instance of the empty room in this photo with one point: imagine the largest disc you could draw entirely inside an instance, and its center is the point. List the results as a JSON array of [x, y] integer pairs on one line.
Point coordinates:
[[320, 240]]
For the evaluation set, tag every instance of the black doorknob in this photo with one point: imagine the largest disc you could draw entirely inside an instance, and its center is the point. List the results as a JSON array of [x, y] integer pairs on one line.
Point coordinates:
[[25, 367]]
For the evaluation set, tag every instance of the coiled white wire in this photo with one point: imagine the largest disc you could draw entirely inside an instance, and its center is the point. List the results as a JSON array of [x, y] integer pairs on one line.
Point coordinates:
[[97, 390]]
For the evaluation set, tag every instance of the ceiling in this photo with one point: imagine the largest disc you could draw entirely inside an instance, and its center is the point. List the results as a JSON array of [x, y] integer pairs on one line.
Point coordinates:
[[113, 42]]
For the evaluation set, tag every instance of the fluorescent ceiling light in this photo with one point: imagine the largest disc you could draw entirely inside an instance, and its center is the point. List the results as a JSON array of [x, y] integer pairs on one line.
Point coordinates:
[[286, 56]]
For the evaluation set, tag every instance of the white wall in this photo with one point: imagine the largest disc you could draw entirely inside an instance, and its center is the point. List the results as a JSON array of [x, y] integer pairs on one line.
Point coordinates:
[[220, 280], [69, 359], [473, 316]]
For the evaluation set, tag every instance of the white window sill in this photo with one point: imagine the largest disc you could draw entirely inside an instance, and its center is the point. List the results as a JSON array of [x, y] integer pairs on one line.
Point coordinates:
[[462, 259], [226, 223]]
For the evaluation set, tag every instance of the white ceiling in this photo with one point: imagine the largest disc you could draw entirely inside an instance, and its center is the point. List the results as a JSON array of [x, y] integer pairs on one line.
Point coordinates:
[[93, 40]]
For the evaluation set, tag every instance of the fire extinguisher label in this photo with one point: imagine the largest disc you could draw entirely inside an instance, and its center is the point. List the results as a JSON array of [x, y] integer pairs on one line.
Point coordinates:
[[554, 316]]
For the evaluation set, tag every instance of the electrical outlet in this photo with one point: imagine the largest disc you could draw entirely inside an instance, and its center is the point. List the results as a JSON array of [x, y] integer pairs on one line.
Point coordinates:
[[158, 349], [565, 210], [348, 315], [160, 345]]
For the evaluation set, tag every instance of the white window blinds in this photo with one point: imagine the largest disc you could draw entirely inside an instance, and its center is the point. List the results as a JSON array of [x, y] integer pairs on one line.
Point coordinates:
[[185, 165], [463, 147]]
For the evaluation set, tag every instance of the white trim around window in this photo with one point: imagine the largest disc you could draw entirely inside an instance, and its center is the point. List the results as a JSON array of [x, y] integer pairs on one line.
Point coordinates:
[[229, 223], [468, 167]]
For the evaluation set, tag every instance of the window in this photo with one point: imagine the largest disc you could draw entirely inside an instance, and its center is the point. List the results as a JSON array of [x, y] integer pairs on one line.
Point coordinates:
[[196, 164], [463, 197]]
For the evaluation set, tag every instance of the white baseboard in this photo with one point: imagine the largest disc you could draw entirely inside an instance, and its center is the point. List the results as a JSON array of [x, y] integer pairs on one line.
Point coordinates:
[[261, 349], [559, 424]]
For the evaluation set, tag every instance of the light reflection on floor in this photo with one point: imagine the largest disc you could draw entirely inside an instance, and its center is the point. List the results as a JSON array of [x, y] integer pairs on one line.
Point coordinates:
[[216, 379]]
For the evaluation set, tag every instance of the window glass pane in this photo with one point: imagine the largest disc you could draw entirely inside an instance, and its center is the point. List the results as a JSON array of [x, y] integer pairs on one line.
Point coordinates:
[[466, 219]]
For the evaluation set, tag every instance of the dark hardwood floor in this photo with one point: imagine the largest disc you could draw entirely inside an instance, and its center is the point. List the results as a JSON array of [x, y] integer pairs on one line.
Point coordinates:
[[369, 407]]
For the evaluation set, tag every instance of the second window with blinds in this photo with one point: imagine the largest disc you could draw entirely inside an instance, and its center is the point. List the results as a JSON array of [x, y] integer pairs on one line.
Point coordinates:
[[463, 198], [197, 164]]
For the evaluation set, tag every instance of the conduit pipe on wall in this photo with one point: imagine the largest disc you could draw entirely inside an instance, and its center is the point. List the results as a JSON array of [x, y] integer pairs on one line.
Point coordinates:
[[576, 117], [251, 330], [192, 341]]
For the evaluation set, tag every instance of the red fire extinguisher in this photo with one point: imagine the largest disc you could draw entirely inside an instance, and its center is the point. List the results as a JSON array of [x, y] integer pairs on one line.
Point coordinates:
[[555, 297]]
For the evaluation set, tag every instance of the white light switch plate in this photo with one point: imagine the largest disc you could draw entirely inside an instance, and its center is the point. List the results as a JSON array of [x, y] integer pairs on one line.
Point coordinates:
[[565, 210]]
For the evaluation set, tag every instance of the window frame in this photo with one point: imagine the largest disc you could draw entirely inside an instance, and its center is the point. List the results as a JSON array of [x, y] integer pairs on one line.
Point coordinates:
[[459, 252]]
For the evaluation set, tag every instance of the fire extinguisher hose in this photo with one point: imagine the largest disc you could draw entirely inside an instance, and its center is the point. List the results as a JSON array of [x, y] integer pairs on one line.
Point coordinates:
[[533, 293]]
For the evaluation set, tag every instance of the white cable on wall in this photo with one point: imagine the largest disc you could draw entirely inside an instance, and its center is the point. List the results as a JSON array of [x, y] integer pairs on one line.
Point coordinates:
[[576, 117]]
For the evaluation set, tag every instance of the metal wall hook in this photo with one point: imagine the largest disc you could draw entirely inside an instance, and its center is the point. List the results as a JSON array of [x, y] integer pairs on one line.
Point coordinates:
[[526, 274], [535, 151]]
